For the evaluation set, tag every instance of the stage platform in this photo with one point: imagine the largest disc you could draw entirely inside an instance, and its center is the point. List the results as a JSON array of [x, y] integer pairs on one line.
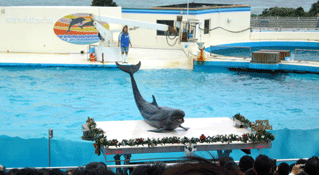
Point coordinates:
[[208, 126], [137, 129]]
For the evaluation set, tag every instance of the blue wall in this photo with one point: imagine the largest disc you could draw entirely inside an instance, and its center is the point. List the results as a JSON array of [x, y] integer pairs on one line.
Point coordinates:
[[17, 152]]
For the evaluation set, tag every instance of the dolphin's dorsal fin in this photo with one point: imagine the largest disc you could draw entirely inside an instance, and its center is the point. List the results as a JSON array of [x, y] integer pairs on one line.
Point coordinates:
[[154, 101]]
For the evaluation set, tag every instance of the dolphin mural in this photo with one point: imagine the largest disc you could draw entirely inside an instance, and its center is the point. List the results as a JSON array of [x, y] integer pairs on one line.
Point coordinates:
[[88, 24], [162, 118], [73, 22]]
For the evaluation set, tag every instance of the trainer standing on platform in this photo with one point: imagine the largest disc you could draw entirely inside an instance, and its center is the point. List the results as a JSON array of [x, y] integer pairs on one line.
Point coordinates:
[[124, 39]]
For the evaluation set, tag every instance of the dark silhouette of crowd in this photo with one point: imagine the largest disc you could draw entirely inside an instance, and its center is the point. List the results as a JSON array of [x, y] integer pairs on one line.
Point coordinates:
[[262, 165]]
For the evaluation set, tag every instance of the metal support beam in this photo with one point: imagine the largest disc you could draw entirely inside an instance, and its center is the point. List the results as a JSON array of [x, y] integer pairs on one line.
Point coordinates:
[[117, 159], [223, 154], [126, 162]]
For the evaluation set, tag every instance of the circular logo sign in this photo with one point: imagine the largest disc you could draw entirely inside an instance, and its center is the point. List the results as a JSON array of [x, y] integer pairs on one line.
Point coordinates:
[[77, 29]]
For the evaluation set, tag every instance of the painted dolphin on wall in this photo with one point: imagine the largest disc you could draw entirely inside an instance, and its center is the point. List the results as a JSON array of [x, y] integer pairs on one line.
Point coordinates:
[[73, 22], [88, 24], [162, 118]]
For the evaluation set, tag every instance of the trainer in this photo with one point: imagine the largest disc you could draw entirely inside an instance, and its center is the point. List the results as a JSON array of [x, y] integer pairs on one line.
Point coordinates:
[[124, 39]]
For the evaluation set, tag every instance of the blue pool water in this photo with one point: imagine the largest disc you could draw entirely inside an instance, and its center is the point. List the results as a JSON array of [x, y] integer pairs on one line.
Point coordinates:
[[309, 50], [36, 99]]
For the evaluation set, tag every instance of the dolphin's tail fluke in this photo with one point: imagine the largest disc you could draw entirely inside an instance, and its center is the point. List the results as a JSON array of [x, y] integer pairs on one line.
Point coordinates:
[[131, 69]]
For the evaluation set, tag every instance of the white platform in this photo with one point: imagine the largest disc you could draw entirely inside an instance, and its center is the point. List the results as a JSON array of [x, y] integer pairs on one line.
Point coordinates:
[[208, 126], [139, 128]]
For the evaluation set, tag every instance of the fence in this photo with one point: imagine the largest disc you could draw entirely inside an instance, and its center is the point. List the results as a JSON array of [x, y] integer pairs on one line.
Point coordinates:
[[287, 23]]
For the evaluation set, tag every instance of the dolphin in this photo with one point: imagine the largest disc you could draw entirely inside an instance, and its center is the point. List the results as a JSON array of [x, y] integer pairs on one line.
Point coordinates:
[[162, 118], [88, 24], [73, 22]]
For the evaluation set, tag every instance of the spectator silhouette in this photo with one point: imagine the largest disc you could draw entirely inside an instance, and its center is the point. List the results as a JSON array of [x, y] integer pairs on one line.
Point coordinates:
[[232, 167], [245, 163], [283, 169], [28, 171], [156, 169], [224, 160], [203, 167], [263, 165], [250, 171], [312, 166]]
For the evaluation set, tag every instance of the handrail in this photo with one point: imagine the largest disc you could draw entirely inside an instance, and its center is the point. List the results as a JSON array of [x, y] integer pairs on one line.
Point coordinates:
[[135, 165]]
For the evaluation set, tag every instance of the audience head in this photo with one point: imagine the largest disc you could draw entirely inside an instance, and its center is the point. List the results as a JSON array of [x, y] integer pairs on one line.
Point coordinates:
[[97, 168], [312, 166], [13, 171], [224, 160], [28, 171], [77, 171], [245, 163], [250, 171], [202, 167], [2, 170], [283, 169], [95, 165], [263, 165], [232, 167], [302, 173], [301, 161], [156, 169]]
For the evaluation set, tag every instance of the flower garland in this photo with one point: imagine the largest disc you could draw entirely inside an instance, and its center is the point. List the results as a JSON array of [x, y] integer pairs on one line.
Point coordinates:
[[101, 140], [243, 120]]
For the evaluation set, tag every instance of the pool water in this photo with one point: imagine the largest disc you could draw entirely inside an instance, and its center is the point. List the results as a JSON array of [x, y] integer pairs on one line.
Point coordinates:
[[36, 99], [306, 51]]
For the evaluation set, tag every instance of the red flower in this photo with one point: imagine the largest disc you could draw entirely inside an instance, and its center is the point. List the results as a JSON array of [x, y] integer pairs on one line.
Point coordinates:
[[140, 140], [115, 141], [244, 136], [202, 137]]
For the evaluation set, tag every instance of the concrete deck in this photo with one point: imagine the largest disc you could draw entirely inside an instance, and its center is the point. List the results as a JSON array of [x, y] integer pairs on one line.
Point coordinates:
[[150, 58], [154, 59]]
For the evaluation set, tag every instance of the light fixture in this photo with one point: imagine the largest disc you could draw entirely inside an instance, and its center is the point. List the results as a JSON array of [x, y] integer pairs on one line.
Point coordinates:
[[228, 20]]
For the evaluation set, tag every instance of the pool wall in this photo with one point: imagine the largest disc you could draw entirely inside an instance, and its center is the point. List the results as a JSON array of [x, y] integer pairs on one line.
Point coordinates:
[[282, 67], [58, 65], [18, 152]]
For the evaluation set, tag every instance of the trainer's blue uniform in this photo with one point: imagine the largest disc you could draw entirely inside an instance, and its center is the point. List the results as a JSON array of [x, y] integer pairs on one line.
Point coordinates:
[[124, 38]]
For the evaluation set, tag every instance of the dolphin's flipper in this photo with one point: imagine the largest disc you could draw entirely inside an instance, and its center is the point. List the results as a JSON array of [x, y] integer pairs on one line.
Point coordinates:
[[154, 101], [131, 69], [159, 129], [183, 127]]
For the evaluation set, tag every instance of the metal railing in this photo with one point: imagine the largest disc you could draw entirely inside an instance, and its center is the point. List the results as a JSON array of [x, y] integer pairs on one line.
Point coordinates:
[[236, 53], [285, 23], [306, 55]]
